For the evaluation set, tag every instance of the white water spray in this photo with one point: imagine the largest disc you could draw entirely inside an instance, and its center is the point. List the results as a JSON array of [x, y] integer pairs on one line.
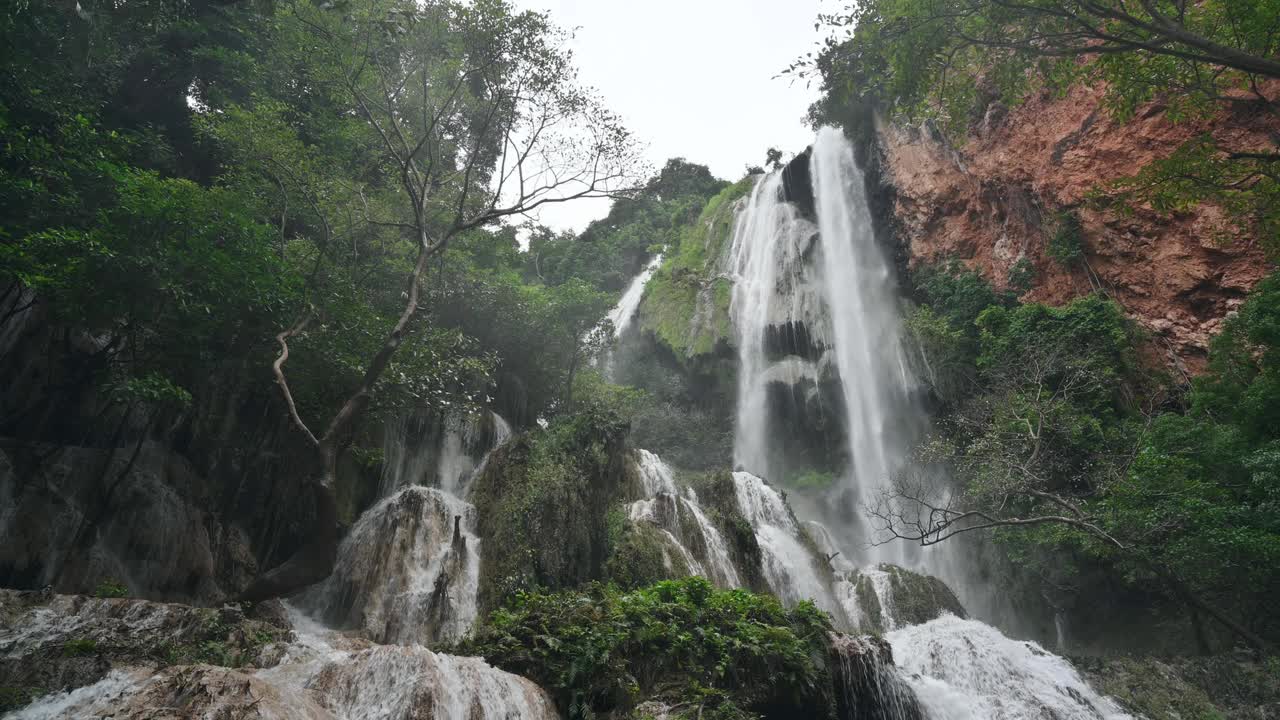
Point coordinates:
[[966, 670], [840, 289], [881, 420], [678, 516], [622, 314]]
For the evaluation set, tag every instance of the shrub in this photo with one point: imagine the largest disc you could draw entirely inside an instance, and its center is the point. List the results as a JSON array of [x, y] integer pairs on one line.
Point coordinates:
[[111, 588], [604, 649], [79, 647], [1066, 245]]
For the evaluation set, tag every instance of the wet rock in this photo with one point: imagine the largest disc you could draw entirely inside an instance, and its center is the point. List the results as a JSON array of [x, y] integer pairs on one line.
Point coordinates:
[[63, 642], [797, 184], [868, 686], [77, 516], [407, 572], [412, 683], [914, 598], [1174, 688], [213, 692]]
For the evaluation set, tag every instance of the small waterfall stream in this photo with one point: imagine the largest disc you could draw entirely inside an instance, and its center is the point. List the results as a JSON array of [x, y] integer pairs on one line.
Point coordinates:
[[408, 571], [682, 521], [622, 314], [323, 675]]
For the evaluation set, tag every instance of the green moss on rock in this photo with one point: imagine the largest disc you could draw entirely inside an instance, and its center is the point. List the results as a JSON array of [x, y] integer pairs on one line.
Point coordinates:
[[643, 557], [919, 598], [686, 304], [718, 498], [1223, 687], [543, 508]]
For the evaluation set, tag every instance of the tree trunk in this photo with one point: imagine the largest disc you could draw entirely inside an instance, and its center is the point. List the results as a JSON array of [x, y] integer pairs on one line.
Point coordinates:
[[1199, 604]]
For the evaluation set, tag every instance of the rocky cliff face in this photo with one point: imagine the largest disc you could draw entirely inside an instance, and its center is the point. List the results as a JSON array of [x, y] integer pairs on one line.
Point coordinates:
[[998, 198]]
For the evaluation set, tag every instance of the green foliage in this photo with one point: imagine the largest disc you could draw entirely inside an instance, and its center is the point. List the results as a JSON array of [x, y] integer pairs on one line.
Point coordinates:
[[949, 61], [80, 647], [1203, 494], [610, 251], [643, 555], [1190, 496], [956, 293], [1066, 244], [604, 650], [1245, 183], [686, 306], [1022, 276], [111, 588], [543, 502], [16, 698]]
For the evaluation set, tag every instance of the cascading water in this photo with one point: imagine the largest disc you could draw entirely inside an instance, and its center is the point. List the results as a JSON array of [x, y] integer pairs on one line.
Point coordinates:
[[679, 517], [322, 675], [966, 670], [765, 259], [825, 288], [408, 572], [787, 563], [622, 313], [831, 280], [881, 419]]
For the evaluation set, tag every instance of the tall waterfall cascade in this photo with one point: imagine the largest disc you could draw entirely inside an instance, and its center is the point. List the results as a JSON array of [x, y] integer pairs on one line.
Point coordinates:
[[818, 324], [816, 317]]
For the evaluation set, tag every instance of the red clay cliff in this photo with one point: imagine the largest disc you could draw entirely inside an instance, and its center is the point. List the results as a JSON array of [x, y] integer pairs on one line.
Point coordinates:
[[994, 200]]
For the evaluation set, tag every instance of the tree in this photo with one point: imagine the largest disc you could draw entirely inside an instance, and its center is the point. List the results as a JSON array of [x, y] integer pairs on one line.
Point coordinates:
[[1063, 444], [478, 117], [575, 309], [949, 60]]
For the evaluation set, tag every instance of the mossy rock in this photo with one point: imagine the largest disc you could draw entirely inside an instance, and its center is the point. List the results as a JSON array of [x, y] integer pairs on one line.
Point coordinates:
[[543, 504], [77, 640], [686, 303], [1221, 687], [911, 599], [919, 598], [719, 500], [645, 555]]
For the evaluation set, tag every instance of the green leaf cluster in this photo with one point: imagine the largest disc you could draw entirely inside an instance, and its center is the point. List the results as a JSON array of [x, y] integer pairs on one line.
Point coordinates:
[[707, 651]]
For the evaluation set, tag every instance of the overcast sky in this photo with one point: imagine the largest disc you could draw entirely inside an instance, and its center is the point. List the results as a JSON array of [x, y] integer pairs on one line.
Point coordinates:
[[691, 78]]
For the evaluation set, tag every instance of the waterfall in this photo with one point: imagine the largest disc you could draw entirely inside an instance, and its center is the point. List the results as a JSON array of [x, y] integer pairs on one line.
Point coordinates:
[[966, 670], [868, 685], [788, 564], [817, 318], [322, 675], [408, 572], [766, 242], [866, 329], [409, 569], [622, 313], [440, 450], [701, 547]]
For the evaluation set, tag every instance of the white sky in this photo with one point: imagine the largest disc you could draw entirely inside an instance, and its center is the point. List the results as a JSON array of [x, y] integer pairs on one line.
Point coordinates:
[[691, 78]]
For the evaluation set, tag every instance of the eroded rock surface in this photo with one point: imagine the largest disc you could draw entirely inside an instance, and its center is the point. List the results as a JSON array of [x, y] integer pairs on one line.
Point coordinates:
[[994, 201]]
